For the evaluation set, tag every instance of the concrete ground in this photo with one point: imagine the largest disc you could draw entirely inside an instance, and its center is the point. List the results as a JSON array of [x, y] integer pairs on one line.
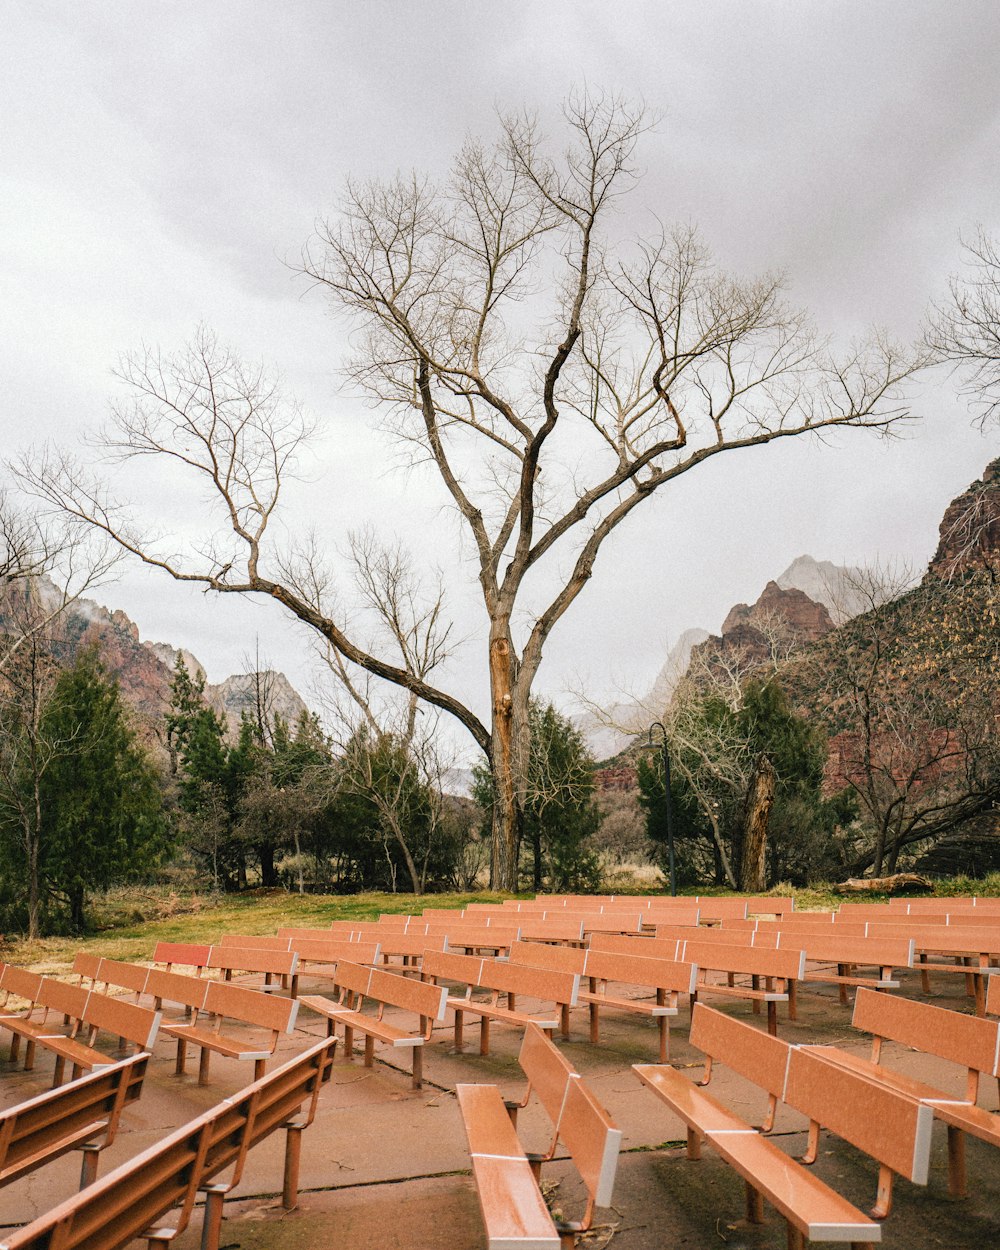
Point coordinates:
[[387, 1166]]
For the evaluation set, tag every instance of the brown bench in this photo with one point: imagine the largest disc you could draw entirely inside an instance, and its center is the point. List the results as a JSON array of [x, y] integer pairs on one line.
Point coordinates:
[[499, 978], [889, 1127], [778, 969], [82, 1115], [508, 1179], [664, 978], [970, 1042], [849, 953], [182, 954], [86, 1013], [127, 1203], [221, 1001], [358, 984], [972, 948], [759, 1057], [272, 963]]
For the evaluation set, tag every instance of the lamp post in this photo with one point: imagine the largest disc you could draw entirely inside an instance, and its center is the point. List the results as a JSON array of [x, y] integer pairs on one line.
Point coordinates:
[[667, 799]]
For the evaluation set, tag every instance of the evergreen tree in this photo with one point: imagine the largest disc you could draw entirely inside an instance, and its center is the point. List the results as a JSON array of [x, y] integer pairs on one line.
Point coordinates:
[[102, 818]]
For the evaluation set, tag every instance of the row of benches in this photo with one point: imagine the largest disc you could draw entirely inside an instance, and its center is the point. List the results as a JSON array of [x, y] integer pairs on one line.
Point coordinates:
[[129, 1201]]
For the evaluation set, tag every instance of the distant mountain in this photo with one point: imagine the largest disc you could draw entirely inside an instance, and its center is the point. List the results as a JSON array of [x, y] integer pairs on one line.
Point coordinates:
[[836, 587], [145, 669]]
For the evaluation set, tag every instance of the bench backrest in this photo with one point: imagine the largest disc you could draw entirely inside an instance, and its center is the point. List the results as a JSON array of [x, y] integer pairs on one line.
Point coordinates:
[[186, 954], [542, 955], [121, 1019], [70, 1116], [20, 983], [754, 1054], [318, 935], [251, 1006], [411, 945], [122, 975], [421, 997], [658, 974], [254, 942], [331, 951], [85, 966], [252, 959], [949, 939], [557, 930], [763, 961], [587, 1132], [877, 952], [650, 947], [765, 905], [547, 984], [722, 908], [174, 987], [115, 1210], [688, 915], [967, 1040], [691, 933], [67, 1000], [892, 1128]]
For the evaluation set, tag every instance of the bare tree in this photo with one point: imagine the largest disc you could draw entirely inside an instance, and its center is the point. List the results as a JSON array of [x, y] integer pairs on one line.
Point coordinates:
[[552, 376], [964, 330]]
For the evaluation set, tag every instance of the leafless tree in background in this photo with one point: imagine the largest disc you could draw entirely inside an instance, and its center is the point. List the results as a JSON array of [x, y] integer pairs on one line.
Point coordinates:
[[965, 330], [553, 376]]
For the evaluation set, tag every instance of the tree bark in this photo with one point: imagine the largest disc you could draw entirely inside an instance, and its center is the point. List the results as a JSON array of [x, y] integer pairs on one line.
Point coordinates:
[[757, 814], [508, 762]]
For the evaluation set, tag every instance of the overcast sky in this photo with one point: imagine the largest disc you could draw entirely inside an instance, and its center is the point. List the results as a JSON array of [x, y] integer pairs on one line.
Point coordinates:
[[162, 162]]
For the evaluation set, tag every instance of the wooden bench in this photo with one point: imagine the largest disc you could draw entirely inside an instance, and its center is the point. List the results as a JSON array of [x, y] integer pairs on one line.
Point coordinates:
[[759, 1057], [972, 948], [778, 969], [128, 1202], [664, 978], [272, 963], [233, 1002], [357, 984], [508, 1179], [499, 979], [968, 1041], [889, 1127], [82, 1115], [849, 953], [85, 1012], [182, 954]]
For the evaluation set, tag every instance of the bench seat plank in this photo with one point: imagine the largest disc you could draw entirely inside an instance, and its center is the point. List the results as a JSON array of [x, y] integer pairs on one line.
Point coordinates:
[[698, 1110], [816, 1210]]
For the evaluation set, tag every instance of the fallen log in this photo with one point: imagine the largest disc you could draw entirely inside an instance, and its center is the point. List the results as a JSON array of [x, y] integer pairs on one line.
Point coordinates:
[[898, 883]]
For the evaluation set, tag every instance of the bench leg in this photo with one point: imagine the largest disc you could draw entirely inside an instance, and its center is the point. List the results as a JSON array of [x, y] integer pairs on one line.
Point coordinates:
[[60, 1069], [663, 1024], [956, 1163], [15, 1046], [215, 1196], [883, 1199], [29, 1054], [693, 1144], [369, 1050], [795, 1239], [258, 1068], [293, 1153], [418, 1066], [980, 993], [484, 1035], [459, 1031], [348, 1043], [842, 989], [925, 981], [595, 1025], [755, 985], [793, 1000], [772, 1018], [88, 1166], [755, 1205], [564, 1021], [181, 1057], [203, 1061]]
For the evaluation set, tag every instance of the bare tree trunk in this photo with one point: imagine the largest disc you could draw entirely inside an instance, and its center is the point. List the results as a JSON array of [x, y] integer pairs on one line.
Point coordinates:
[[757, 813], [506, 764]]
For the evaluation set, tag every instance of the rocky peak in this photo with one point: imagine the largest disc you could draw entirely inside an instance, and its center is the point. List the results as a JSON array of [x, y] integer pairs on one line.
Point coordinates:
[[790, 609], [970, 530]]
